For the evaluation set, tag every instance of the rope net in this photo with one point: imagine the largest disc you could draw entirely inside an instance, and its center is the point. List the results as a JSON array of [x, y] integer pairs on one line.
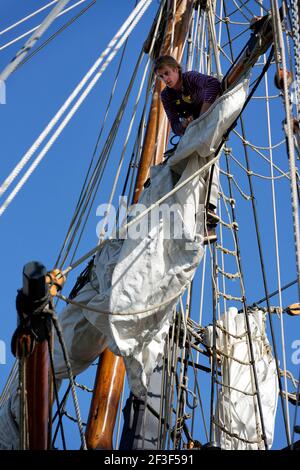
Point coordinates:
[[255, 240]]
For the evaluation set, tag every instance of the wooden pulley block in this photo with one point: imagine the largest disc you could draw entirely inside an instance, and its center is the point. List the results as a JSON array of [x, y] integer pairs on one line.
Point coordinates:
[[279, 76], [293, 309], [56, 280]]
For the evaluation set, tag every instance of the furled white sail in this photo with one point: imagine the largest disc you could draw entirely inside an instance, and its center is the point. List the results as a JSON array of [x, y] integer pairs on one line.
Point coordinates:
[[150, 269], [239, 424]]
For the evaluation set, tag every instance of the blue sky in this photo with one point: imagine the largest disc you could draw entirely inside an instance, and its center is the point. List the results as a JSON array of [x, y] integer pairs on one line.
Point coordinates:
[[34, 225]]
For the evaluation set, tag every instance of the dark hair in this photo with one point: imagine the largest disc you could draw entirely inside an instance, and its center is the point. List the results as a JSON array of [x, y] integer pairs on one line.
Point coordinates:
[[167, 60]]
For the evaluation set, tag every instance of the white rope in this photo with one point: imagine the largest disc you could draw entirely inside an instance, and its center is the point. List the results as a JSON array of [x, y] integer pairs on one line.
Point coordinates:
[[254, 385], [290, 376], [221, 23], [252, 173], [101, 236], [27, 17], [138, 312], [69, 100], [229, 21], [225, 55], [231, 177], [173, 26], [121, 161], [222, 256], [218, 306], [241, 11], [190, 42], [9, 69], [273, 97], [136, 14], [201, 43], [277, 247], [291, 153], [255, 149], [36, 27], [210, 17], [235, 251], [259, 147], [125, 227], [293, 181]]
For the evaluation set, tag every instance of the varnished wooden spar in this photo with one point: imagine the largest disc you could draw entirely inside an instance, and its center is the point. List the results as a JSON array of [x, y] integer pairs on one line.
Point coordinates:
[[35, 290], [104, 407], [111, 370], [37, 372], [157, 130], [30, 346]]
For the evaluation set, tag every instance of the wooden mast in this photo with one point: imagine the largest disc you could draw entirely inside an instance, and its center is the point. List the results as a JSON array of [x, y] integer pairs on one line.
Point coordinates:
[[38, 385], [29, 345], [157, 129], [111, 370]]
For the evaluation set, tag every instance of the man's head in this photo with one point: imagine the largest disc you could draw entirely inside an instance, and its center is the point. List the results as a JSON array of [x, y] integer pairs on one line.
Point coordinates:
[[168, 70]]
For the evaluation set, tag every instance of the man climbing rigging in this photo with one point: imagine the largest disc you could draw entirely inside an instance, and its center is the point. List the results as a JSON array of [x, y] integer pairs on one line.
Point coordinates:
[[186, 96]]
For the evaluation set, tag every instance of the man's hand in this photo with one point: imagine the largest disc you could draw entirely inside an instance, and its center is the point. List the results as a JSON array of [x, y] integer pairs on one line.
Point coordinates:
[[187, 121]]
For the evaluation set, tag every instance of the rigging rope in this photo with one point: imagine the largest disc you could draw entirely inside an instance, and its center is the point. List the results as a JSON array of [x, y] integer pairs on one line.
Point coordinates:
[[54, 35], [32, 31], [252, 173], [125, 227], [27, 17], [290, 144], [296, 42], [93, 184], [9, 69], [253, 375], [101, 236], [110, 51], [261, 258], [59, 333], [249, 173], [255, 149], [56, 393], [60, 412], [86, 196], [276, 245]]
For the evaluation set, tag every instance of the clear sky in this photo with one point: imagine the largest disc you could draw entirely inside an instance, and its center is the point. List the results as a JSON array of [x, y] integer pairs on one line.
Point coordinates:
[[34, 225]]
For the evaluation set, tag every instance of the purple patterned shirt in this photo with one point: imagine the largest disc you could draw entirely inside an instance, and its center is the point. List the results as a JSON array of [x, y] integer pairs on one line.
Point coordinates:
[[199, 88]]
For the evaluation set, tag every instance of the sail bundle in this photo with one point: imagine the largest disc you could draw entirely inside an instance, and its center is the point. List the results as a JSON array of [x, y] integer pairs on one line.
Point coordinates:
[[135, 282], [138, 280], [237, 426]]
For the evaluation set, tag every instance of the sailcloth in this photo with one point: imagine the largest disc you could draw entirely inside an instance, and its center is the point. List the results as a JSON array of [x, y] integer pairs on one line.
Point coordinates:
[[141, 277], [238, 420], [136, 281]]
